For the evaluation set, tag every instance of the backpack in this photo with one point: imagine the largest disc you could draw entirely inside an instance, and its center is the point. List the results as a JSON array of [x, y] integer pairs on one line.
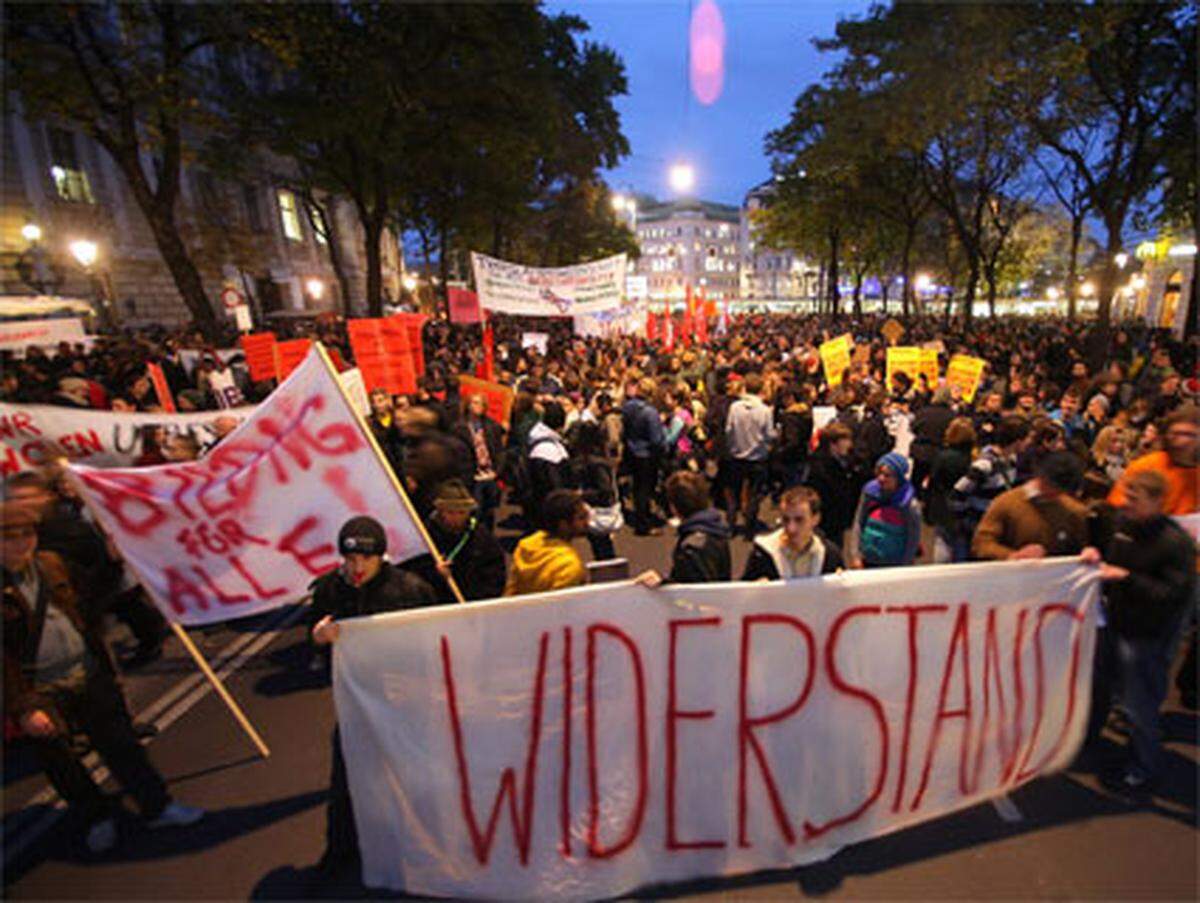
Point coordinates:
[[518, 478]]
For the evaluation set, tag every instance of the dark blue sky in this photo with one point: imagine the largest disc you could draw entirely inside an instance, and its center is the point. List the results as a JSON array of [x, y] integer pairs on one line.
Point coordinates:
[[769, 59]]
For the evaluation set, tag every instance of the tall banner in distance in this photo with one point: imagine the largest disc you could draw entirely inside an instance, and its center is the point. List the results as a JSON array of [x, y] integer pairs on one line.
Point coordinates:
[[586, 288], [587, 743], [248, 526]]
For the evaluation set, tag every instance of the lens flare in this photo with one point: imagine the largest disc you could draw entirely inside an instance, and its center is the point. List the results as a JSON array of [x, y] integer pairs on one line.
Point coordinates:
[[706, 39]]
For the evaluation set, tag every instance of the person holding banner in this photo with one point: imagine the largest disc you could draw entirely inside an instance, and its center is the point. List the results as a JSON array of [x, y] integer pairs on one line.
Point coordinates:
[[365, 584], [796, 549], [1037, 519], [59, 681], [470, 553]]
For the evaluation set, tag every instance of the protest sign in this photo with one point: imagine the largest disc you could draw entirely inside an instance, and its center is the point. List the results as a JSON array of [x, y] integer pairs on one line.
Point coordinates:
[[33, 435], [18, 335], [381, 350], [965, 372], [586, 743], [464, 306], [289, 355], [356, 390], [549, 292], [499, 398], [835, 358], [248, 526], [538, 340], [905, 359], [190, 357], [259, 349], [892, 330], [158, 379], [413, 324], [225, 389], [628, 319], [929, 366]]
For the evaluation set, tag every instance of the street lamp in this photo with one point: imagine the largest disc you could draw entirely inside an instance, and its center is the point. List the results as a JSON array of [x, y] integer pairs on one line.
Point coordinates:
[[409, 282], [924, 282], [1138, 282], [1121, 259], [682, 177], [85, 252], [619, 202], [32, 233], [1053, 293], [1087, 289], [315, 288]]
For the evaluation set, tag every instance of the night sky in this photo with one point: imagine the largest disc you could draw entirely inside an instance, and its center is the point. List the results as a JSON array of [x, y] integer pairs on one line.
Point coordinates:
[[769, 59]]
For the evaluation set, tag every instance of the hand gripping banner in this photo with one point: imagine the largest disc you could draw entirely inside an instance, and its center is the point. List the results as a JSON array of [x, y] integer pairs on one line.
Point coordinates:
[[586, 743], [248, 526]]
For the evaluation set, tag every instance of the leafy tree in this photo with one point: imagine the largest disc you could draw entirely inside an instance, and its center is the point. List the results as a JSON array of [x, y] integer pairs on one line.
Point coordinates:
[[133, 76]]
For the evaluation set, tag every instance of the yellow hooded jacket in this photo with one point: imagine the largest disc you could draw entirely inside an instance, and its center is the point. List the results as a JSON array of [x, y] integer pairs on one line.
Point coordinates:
[[542, 563]]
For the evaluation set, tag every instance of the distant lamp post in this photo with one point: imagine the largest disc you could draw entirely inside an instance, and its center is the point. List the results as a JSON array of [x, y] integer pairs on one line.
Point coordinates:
[[315, 288], [1121, 259], [682, 177], [1053, 293], [87, 253], [924, 282], [1138, 282], [1087, 289], [619, 202], [32, 233], [409, 282]]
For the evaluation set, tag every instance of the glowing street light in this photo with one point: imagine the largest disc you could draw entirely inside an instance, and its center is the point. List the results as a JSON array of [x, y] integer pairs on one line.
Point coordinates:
[[1087, 289], [1187, 249], [1138, 282], [85, 252], [1053, 293], [924, 282], [619, 203], [315, 288], [31, 232], [1121, 259], [409, 282], [683, 178]]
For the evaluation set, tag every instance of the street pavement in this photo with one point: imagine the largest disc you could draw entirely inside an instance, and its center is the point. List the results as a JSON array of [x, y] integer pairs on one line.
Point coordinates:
[[1061, 837]]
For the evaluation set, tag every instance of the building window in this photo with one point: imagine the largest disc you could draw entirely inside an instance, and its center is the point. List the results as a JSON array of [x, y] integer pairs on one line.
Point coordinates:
[[253, 211], [70, 181], [288, 215]]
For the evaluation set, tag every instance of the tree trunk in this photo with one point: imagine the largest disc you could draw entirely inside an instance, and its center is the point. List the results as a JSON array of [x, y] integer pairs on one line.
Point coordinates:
[[1073, 264], [373, 234], [444, 258], [969, 294], [990, 275], [183, 271], [835, 297], [883, 295], [858, 282], [906, 263]]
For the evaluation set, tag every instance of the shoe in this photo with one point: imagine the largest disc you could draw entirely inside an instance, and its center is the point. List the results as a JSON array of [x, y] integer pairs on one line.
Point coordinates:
[[1128, 785], [102, 836], [177, 815]]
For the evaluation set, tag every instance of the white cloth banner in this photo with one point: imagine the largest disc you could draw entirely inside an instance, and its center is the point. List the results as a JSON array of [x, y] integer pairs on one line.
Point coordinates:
[[586, 743], [248, 526], [629, 319], [511, 288], [33, 435], [20, 334]]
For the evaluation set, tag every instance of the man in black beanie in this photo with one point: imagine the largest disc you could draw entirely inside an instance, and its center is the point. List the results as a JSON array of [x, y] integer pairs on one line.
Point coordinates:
[[365, 584]]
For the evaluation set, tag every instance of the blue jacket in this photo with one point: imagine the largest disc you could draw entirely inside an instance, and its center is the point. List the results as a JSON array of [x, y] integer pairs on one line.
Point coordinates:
[[642, 428]]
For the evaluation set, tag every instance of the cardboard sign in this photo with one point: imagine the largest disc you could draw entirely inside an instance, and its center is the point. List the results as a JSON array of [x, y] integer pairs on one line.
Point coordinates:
[[965, 372], [893, 331], [248, 526], [381, 351], [906, 359], [289, 355], [538, 340], [835, 358], [590, 742], [259, 348], [464, 306], [499, 398], [929, 366]]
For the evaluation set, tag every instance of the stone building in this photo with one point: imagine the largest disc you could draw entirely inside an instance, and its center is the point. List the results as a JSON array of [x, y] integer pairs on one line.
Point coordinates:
[[768, 274], [688, 242]]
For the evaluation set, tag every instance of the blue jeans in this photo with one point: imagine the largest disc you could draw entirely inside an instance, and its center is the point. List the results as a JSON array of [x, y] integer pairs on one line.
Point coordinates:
[[1143, 664]]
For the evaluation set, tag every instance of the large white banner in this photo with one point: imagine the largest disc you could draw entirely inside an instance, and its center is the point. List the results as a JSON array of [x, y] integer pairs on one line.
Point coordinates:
[[629, 319], [511, 288], [20, 334], [248, 526], [33, 435], [586, 743]]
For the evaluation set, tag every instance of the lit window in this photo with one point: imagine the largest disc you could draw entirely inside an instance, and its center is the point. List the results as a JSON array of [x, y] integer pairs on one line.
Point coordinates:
[[288, 215], [70, 181]]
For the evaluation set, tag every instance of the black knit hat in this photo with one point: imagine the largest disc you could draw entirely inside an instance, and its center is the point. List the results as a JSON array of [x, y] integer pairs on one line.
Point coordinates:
[[363, 536]]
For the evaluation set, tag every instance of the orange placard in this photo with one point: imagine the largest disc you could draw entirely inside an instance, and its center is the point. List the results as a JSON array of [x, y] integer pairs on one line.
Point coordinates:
[[259, 348], [499, 398], [381, 351], [289, 355], [159, 380]]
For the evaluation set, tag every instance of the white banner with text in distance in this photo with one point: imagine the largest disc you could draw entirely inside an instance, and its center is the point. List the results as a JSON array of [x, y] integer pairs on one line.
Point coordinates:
[[586, 743], [511, 288], [248, 526]]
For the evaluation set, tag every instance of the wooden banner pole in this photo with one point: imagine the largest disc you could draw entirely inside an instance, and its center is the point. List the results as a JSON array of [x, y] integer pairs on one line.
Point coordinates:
[[387, 467], [179, 632]]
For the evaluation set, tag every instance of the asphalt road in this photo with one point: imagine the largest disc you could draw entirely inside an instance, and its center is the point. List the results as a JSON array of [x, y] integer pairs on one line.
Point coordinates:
[[266, 816]]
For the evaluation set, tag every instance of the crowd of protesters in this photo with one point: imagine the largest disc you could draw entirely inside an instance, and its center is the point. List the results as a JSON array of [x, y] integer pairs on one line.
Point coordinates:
[[1062, 451]]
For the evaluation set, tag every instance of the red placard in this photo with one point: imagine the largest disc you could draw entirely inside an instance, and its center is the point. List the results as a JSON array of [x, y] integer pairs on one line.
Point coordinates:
[[414, 323], [499, 398], [259, 348], [159, 380], [464, 306], [381, 351], [289, 354]]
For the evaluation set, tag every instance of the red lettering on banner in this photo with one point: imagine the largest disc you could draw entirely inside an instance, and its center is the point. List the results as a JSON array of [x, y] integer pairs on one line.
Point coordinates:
[[37, 453], [249, 577], [23, 423], [1024, 774], [522, 817], [747, 724], [674, 714], [129, 497], [564, 780], [309, 559], [185, 483], [992, 675], [914, 613], [813, 830], [1010, 767], [216, 590], [958, 638], [180, 588], [595, 848], [9, 464], [338, 479], [224, 536]]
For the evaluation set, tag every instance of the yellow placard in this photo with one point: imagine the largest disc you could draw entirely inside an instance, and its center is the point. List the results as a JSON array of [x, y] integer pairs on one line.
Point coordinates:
[[835, 358], [903, 358], [965, 372]]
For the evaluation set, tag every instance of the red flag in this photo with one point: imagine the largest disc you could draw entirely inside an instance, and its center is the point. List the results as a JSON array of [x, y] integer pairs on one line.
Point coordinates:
[[489, 352], [651, 327], [161, 389], [702, 329]]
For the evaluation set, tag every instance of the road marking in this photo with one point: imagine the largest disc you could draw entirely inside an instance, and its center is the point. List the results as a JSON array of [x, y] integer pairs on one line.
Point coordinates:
[[1007, 810], [162, 713]]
